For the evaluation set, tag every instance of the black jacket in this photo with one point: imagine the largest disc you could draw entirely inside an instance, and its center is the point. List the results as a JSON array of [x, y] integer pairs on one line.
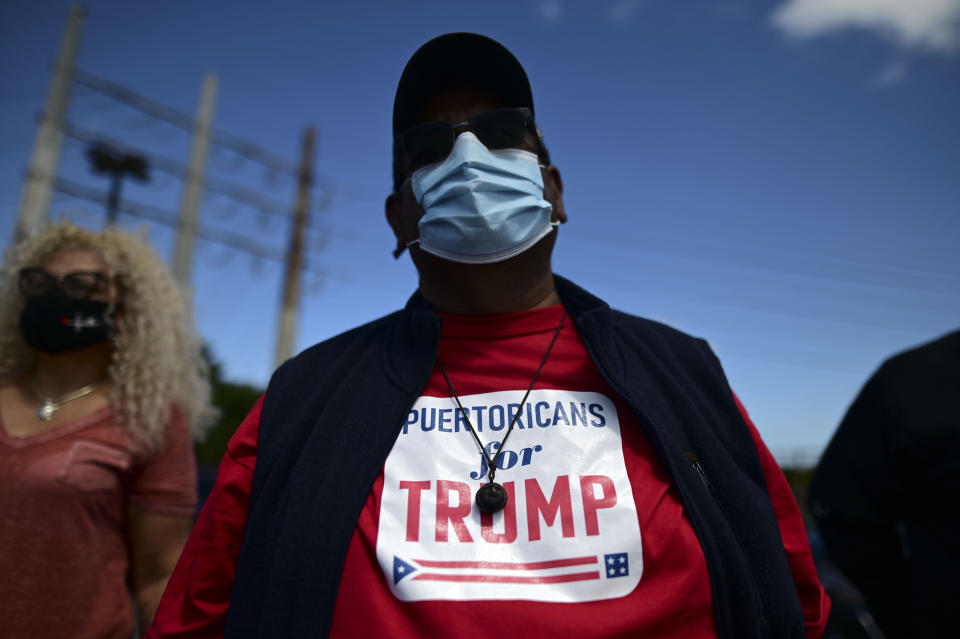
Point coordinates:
[[331, 416], [887, 490]]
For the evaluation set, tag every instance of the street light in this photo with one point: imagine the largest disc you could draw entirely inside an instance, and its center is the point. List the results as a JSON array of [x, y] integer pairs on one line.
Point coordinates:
[[106, 160]]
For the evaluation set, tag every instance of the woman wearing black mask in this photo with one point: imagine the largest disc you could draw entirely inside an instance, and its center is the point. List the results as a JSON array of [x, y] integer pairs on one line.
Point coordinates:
[[101, 387]]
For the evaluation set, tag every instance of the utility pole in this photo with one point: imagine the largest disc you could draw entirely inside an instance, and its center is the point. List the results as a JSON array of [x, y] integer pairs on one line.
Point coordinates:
[[190, 204], [290, 304], [116, 164], [35, 202]]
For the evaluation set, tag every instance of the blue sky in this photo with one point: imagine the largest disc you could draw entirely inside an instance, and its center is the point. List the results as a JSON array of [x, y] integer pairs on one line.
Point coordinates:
[[780, 177]]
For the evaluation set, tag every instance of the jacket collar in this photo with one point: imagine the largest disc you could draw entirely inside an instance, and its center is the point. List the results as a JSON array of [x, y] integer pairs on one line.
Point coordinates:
[[579, 303], [412, 350], [594, 321], [414, 342]]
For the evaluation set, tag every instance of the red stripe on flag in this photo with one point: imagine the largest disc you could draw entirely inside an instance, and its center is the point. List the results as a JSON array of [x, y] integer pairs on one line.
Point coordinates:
[[510, 579], [508, 565]]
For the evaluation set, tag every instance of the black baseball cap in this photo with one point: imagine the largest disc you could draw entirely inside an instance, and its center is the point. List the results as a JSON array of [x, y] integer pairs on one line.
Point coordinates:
[[457, 60]]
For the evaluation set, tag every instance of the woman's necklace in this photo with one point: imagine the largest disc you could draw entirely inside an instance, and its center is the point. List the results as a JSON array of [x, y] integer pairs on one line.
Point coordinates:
[[492, 497], [49, 406]]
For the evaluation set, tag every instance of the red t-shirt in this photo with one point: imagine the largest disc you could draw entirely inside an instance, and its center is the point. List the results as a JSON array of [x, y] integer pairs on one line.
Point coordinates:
[[594, 541], [64, 495]]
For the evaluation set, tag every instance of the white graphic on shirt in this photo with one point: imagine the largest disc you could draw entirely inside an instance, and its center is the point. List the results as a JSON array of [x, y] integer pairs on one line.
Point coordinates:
[[569, 531]]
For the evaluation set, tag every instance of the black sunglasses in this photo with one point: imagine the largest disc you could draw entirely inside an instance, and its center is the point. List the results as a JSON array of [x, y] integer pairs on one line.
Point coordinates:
[[498, 129], [79, 285]]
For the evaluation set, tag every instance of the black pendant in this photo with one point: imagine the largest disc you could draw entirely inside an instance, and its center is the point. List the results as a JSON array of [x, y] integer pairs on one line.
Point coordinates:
[[491, 498]]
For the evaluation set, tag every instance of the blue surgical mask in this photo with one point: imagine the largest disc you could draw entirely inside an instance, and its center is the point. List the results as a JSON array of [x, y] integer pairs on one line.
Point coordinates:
[[481, 206]]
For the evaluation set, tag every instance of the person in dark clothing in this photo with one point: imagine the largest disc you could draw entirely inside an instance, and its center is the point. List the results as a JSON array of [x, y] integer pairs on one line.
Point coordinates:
[[506, 453], [887, 490]]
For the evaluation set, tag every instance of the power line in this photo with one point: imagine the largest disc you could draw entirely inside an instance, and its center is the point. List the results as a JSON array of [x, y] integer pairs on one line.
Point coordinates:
[[172, 167], [240, 146], [235, 241], [177, 169], [185, 121]]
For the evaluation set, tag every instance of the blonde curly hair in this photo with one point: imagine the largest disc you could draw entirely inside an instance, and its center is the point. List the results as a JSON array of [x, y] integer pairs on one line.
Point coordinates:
[[157, 363]]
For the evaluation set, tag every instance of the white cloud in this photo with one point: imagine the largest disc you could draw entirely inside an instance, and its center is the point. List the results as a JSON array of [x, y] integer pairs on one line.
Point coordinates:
[[622, 10], [923, 24], [550, 10]]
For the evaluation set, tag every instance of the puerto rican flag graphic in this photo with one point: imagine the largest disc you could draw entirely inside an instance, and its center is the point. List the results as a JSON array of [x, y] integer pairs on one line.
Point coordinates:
[[507, 572], [569, 532]]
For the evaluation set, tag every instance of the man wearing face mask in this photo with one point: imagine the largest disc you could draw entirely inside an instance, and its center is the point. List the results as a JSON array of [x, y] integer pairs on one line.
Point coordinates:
[[506, 452]]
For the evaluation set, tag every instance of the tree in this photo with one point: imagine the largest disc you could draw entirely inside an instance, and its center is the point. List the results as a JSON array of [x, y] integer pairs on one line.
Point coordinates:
[[234, 402]]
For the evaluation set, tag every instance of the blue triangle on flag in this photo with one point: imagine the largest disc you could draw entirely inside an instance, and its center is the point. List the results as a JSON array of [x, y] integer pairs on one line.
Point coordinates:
[[401, 569]]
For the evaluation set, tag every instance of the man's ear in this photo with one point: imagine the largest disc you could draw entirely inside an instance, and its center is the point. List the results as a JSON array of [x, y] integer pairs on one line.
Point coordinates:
[[553, 193], [393, 208]]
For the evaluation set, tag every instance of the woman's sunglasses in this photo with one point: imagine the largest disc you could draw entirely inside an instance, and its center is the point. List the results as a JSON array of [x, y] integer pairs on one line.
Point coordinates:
[[497, 129], [77, 285]]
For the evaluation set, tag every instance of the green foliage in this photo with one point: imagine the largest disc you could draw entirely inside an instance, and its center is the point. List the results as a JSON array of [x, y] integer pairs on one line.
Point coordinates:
[[234, 402], [799, 480]]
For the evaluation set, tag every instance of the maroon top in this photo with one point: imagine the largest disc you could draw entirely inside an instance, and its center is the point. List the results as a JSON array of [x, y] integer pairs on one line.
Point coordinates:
[[63, 548]]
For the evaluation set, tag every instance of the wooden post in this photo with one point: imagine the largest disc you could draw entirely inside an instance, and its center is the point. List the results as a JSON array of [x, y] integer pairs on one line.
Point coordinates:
[[35, 202], [290, 303]]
